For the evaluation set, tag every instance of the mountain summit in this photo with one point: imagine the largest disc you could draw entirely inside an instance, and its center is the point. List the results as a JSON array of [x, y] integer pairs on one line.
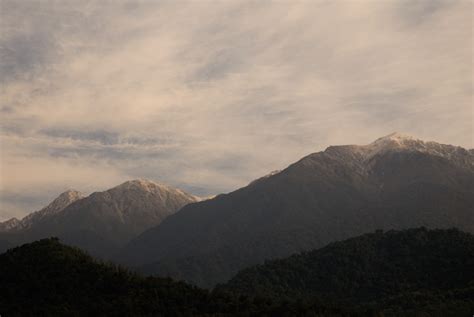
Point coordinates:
[[10, 224], [396, 182], [148, 186], [392, 142], [103, 221], [402, 142], [56, 206]]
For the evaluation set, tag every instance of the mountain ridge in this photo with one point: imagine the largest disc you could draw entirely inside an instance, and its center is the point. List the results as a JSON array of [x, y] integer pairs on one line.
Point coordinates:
[[325, 196], [104, 220], [398, 142], [57, 205]]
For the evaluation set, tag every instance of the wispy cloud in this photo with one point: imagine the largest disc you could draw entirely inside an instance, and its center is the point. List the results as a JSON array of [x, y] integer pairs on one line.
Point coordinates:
[[210, 95]]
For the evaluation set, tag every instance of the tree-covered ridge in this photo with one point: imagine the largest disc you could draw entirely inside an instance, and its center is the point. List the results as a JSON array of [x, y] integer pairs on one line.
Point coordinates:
[[47, 278], [416, 270]]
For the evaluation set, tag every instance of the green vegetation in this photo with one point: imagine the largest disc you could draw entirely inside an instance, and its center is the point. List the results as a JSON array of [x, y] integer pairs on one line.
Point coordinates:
[[410, 271], [414, 272], [47, 278]]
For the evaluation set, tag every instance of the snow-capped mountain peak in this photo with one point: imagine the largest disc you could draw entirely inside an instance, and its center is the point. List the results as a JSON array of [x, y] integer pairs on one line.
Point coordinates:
[[148, 186], [56, 206], [395, 137], [393, 141], [143, 184], [10, 224], [396, 142]]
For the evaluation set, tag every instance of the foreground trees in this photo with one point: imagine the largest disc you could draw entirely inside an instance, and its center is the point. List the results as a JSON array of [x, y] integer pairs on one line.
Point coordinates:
[[401, 273]]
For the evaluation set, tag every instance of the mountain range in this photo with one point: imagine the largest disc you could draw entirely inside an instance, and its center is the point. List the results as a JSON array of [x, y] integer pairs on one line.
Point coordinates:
[[103, 221], [395, 182]]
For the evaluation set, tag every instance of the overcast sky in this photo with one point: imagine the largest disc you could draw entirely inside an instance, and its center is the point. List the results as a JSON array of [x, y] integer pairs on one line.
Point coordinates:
[[209, 95]]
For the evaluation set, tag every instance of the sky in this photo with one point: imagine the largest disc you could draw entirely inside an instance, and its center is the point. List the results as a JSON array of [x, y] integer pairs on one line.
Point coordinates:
[[209, 95]]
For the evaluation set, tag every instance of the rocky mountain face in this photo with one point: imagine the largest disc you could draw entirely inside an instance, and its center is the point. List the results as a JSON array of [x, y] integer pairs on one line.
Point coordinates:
[[56, 206], [396, 182], [10, 224], [103, 221]]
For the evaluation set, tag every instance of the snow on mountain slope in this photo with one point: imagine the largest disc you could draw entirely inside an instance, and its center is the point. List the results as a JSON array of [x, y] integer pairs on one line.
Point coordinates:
[[10, 224], [56, 206], [402, 142], [102, 221]]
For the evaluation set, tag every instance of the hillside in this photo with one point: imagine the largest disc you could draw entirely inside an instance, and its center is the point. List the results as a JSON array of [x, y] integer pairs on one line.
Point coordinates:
[[396, 182], [391, 271], [47, 278], [409, 273]]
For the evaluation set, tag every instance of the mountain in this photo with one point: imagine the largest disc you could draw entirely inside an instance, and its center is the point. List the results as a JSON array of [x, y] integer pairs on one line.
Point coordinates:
[[103, 221], [47, 278], [56, 206], [428, 270], [396, 182], [10, 224]]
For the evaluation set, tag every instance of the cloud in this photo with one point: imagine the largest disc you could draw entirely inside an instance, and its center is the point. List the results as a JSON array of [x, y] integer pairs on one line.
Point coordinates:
[[211, 95]]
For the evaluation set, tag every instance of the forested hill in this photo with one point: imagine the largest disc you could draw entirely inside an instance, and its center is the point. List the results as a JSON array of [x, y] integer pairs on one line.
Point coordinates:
[[416, 269], [47, 278], [408, 273]]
